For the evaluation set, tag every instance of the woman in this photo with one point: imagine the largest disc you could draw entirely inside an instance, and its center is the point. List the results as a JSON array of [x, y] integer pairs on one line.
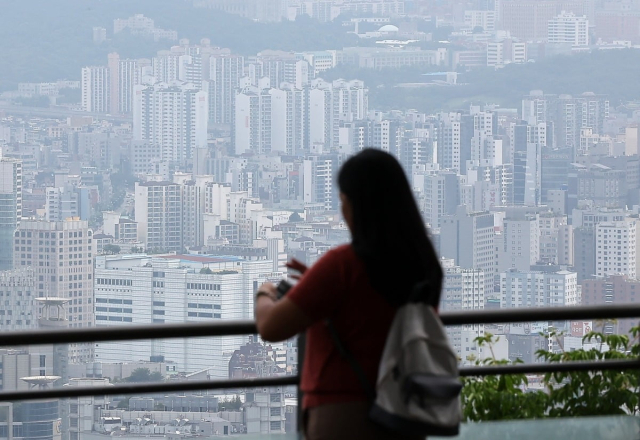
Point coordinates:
[[358, 286]]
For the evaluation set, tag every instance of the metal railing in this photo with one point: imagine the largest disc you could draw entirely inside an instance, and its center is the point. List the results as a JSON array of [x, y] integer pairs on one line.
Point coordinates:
[[189, 330]]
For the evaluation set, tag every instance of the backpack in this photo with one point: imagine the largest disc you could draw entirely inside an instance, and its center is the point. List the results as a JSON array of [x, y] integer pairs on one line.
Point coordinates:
[[418, 389]]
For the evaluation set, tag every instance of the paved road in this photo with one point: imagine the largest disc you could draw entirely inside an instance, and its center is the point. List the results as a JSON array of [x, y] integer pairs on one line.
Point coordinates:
[[57, 112]]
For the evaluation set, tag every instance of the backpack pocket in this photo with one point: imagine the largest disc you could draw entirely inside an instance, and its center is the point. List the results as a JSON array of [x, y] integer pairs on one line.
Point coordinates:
[[429, 388]]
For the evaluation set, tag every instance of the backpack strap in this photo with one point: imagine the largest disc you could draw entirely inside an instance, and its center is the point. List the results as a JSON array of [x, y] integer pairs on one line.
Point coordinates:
[[353, 363]]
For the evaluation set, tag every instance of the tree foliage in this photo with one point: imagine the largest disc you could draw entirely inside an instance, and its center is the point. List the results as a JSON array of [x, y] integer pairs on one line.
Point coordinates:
[[111, 249], [233, 404], [143, 375], [607, 72], [565, 394]]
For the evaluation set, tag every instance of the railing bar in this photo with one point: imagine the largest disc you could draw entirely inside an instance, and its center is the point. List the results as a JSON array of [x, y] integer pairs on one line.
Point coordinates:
[[161, 387], [148, 388], [490, 370], [229, 328], [540, 314], [126, 333]]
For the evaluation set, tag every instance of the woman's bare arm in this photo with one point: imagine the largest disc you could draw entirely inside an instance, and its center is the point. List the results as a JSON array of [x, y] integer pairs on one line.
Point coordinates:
[[278, 320]]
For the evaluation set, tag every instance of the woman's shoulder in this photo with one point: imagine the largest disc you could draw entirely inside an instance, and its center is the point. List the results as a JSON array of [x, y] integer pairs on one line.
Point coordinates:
[[342, 253]]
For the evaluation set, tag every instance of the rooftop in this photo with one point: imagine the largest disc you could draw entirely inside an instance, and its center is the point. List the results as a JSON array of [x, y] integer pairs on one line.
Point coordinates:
[[204, 259]]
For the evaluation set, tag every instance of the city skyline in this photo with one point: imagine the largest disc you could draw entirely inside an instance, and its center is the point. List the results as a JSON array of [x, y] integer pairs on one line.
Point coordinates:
[[165, 173]]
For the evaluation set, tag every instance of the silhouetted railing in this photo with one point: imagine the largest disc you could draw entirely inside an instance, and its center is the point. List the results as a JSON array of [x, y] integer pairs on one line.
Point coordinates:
[[228, 328]]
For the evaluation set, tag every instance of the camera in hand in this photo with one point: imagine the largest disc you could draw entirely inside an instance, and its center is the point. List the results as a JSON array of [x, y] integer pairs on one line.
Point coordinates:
[[282, 288]]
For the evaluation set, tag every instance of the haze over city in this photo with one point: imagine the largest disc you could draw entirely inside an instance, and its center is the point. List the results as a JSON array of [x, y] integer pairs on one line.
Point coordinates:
[[162, 159]]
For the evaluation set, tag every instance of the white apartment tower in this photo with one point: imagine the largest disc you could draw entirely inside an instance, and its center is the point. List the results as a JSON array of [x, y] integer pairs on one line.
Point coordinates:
[[449, 142], [129, 76], [287, 119], [332, 103], [318, 184], [569, 28], [159, 214], [520, 242], [96, 89], [463, 289], [225, 71], [252, 121], [520, 289], [173, 116], [617, 248]]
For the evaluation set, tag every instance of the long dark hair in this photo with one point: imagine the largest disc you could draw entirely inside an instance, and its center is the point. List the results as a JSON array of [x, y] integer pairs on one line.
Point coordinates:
[[388, 233]]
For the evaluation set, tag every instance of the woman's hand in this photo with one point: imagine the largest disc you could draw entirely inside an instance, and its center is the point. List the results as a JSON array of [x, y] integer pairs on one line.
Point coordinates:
[[277, 320], [298, 266], [270, 289]]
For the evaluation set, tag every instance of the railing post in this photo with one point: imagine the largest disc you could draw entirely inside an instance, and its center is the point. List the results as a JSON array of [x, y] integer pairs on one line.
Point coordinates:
[[302, 339]]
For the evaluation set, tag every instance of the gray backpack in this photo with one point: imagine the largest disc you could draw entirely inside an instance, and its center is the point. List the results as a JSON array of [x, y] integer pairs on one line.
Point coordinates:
[[418, 388]]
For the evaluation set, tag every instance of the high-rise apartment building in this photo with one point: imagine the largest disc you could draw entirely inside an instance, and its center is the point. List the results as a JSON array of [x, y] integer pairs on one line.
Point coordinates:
[[128, 76], [441, 196], [225, 71], [570, 29], [520, 242], [283, 67], [61, 203], [469, 239], [613, 289], [329, 104], [584, 251], [269, 119], [158, 212], [449, 142], [556, 239], [61, 256], [173, 116], [10, 207], [616, 250], [463, 289], [527, 142], [252, 121], [96, 89], [287, 119], [318, 180], [538, 289]]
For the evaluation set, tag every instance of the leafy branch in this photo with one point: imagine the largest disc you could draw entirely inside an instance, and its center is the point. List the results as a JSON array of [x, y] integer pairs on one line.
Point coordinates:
[[563, 394]]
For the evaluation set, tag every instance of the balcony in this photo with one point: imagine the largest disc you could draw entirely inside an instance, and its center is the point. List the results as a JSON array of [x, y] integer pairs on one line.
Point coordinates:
[[583, 428]]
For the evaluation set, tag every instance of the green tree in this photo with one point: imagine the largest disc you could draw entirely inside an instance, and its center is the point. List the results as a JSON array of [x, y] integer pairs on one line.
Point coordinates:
[[496, 397], [295, 217], [566, 394], [143, 375], [124, 403], [111, 249], [206, 270], [233, 404]]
